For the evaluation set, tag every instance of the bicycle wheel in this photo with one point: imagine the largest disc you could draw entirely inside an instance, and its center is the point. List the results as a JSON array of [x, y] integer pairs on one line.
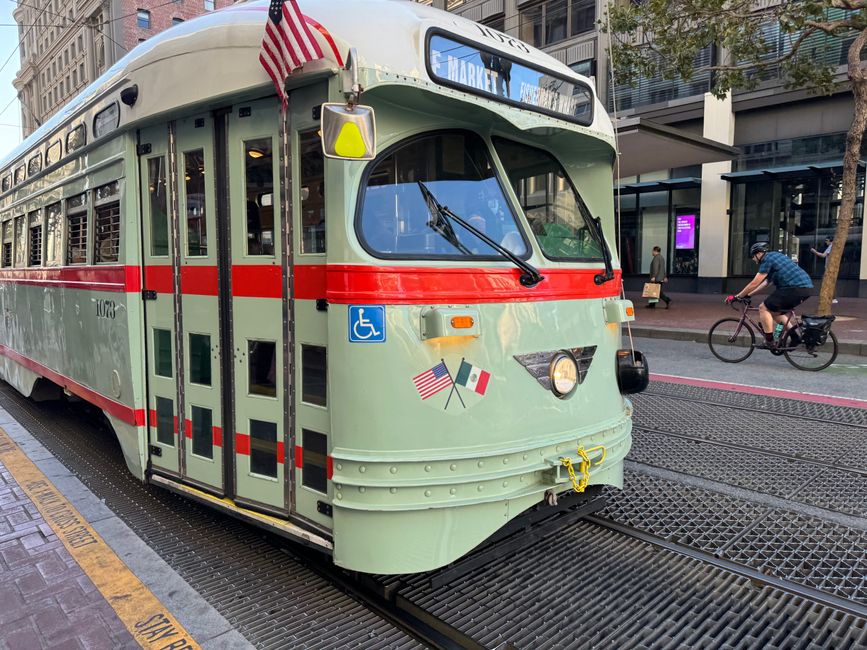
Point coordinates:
[[813, 358], [731, 341]]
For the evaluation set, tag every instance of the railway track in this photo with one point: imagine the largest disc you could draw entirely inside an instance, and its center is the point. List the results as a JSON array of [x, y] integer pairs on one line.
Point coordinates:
[[613, 580]]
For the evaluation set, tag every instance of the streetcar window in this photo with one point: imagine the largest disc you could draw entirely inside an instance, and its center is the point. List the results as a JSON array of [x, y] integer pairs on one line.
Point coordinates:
[[20, 241], [200, 359], [76, 230], [106, 120], [20, 174], [163, 353], [53, 235], [53, 153], [556, 212], [159, 220], [314, 461], [313, 374], [7, 183], [262, 359], [263, 448], [76, 138], [35, 222], [34, 165], [107, 213], [201, 422], [259, 178], [165, 421], [312, 193], [396, 221], [7, 244], [194, 198]]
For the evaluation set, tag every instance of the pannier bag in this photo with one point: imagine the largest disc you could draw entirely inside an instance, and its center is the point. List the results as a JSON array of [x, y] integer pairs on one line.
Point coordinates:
[[816, 329]]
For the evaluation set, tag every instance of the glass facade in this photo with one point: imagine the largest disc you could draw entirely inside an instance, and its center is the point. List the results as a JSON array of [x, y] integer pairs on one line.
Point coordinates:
[[793, 204]]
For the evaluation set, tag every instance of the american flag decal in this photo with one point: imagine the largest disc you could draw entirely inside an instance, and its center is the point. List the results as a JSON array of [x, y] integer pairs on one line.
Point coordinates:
[[288, 43], [432, 381]]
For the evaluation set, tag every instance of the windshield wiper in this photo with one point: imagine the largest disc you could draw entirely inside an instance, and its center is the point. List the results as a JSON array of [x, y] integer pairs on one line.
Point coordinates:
[[440, 221], [596, 226], [530, 276]]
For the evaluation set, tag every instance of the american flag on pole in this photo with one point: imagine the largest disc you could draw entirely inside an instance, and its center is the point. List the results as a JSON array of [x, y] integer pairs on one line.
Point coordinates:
[[432, 381], [288, 43]]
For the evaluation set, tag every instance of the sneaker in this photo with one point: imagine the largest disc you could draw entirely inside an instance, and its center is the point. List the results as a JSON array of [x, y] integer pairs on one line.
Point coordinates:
[[766, 345]]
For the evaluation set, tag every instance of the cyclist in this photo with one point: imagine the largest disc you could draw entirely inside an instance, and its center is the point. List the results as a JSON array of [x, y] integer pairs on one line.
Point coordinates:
[[792, 284]]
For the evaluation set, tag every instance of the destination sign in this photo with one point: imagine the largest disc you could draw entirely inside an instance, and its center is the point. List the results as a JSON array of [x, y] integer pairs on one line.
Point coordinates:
[[503, 78]]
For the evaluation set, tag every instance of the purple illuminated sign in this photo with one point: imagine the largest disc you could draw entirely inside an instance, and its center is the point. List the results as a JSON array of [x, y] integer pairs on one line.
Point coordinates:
[[684, 232]]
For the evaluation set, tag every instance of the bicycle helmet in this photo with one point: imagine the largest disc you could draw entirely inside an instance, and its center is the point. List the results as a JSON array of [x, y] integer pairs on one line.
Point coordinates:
[[759, 247]]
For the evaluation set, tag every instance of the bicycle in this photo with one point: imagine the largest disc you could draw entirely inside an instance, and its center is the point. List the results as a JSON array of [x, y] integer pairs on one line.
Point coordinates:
[[733, 340]]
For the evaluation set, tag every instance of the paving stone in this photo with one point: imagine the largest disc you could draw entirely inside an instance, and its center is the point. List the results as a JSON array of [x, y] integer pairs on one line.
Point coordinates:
[[26, 638], [50, 620]]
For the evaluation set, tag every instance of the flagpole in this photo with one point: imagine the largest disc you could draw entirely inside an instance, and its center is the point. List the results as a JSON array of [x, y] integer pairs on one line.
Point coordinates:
[[454, 386]]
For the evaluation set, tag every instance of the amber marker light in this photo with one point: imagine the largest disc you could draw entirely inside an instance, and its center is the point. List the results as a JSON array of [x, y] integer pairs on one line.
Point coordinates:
[[462, 322], [630, 311]]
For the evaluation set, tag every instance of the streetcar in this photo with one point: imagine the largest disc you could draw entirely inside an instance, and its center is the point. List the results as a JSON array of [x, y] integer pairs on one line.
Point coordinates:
[[386, 349]]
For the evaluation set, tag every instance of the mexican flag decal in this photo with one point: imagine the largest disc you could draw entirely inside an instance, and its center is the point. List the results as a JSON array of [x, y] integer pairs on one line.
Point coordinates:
[[473, 377]]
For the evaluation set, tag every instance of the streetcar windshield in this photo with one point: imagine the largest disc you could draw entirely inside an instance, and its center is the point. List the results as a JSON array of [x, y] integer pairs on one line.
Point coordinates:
[[555, 211], [395, 220]]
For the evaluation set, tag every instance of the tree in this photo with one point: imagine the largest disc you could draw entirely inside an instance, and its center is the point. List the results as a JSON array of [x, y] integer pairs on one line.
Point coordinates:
[[664, 37]]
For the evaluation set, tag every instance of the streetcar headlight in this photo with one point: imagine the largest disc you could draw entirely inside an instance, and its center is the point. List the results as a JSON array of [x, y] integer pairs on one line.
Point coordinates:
[[563, 374]]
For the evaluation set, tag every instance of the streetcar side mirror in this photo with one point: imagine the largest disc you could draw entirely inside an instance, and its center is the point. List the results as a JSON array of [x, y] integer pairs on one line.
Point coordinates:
[[348, 132]]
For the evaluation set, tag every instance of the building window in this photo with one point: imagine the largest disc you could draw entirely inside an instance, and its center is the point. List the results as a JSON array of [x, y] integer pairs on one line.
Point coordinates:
[[553, 21], [144, 19], [209, 5], [586, 68], [177, 21], [496, 22]]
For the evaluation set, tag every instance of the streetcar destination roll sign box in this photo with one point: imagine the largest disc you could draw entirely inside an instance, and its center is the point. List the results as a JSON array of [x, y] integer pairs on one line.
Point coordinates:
[[492, 74]]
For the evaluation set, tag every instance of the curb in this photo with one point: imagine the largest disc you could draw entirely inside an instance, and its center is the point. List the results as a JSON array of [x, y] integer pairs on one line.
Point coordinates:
[[856, 348]]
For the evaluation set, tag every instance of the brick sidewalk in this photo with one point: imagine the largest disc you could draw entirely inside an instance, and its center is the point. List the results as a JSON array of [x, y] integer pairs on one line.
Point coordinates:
[[46, 601], [692, 315]]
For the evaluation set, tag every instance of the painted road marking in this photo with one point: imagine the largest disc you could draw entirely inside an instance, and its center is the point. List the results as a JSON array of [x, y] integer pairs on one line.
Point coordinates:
[[762, 390], [146, 618]]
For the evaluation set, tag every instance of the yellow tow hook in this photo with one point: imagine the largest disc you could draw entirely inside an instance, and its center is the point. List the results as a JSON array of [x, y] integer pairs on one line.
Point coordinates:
[[583, 467]]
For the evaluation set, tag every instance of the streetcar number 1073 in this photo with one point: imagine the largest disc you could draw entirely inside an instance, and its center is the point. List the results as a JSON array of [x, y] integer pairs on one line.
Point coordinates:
[[106, 309]]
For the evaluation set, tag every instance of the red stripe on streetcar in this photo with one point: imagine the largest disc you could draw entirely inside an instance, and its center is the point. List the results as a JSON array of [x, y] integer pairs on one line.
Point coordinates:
[[257, 281], [402, 285], [761, 390], [188, 428], [310, 281], [175, 424], [329, 462], [299, 456], [152, 418], [159, 279], [114, 278], [135, 417], [218, 436], [243, 442], [199, 280]]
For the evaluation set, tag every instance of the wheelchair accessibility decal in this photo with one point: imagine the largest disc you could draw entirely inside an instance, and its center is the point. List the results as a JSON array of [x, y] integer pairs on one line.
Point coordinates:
[[367, 324]]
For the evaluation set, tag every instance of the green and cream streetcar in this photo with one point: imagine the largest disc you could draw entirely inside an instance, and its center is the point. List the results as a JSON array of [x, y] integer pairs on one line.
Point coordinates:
[[387, 354]]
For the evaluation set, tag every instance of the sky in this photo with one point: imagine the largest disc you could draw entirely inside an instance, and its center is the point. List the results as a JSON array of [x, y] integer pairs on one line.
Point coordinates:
[[10, 119]]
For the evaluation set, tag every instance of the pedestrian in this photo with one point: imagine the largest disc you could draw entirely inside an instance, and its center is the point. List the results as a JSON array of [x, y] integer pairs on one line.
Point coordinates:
[[658, 275], [829, 242]]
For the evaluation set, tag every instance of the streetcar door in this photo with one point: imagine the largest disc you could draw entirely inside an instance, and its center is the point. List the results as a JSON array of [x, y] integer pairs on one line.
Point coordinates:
[[198, 318], [258, 311], [157, 192], [313, 489]]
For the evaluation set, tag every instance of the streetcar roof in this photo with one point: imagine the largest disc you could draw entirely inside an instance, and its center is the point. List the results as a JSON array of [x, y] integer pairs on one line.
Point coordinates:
[[228, 42]]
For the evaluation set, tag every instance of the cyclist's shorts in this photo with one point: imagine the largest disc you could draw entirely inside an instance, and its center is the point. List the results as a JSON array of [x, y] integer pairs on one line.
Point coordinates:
[[786, 298]]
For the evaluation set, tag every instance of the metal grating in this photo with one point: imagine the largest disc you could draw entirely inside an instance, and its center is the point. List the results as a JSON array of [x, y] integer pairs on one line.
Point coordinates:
[[773, 432], [791, 407], [76, 239], [764, 473], [837, 490], [35, 246], [588, 586], [267, 594], [680, 513], [107, 233], [809, 551]]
